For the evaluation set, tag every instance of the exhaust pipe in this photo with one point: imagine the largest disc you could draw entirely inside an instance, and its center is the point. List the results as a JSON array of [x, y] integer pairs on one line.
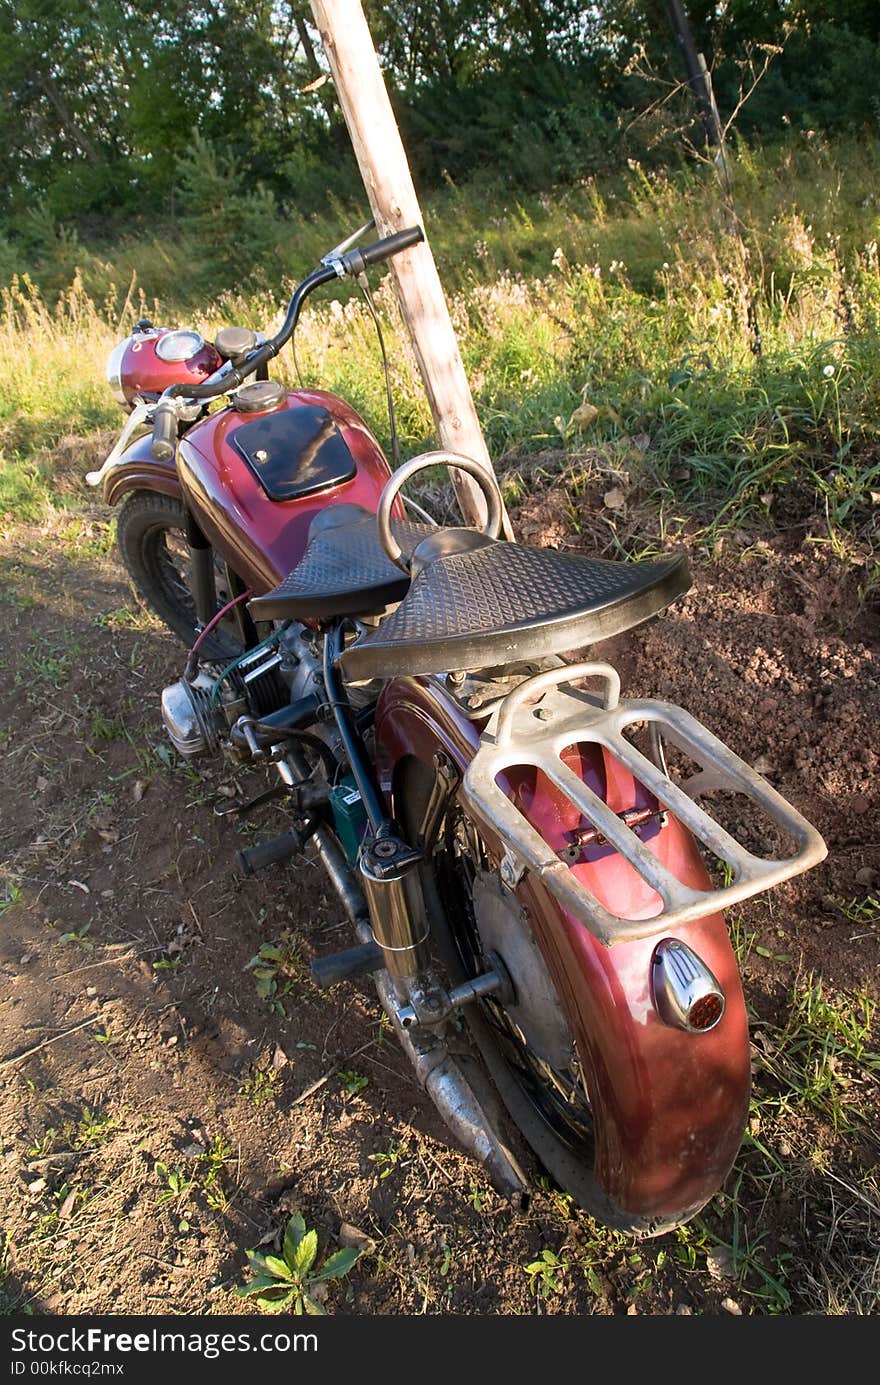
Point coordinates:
[[458, 1104]]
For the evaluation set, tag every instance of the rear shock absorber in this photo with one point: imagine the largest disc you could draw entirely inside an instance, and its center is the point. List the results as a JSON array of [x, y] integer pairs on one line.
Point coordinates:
[[389, 875]]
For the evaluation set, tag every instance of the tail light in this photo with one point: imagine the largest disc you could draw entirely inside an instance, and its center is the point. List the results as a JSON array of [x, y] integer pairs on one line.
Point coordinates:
[[686, 993]]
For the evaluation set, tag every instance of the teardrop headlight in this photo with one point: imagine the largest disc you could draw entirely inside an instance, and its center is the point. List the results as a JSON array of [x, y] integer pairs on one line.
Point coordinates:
[[114, 370]]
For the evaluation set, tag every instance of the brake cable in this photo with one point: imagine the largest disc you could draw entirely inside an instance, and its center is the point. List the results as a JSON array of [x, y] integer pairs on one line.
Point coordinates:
[[364, 287]]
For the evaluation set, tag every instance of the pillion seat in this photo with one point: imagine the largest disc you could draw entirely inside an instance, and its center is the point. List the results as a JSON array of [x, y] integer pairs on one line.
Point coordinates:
[[469, 602]]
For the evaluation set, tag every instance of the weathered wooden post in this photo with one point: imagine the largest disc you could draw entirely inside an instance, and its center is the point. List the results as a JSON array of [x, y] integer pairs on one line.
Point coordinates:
[[388, 182]]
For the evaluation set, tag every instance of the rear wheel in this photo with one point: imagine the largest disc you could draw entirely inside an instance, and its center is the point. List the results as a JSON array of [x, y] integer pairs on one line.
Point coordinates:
[[151, 532], [548, 1104]]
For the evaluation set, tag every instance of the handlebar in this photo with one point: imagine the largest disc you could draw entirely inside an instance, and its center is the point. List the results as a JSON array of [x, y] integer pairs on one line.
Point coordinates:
[[356, 261], [353, 263], [164, 430]]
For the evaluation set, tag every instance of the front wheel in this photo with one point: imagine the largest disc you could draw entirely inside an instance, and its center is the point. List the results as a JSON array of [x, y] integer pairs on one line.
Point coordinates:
[[151, 532]]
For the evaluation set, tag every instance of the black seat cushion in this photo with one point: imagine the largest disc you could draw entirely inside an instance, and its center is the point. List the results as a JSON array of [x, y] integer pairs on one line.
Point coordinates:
[[344, 570], [498, 603]]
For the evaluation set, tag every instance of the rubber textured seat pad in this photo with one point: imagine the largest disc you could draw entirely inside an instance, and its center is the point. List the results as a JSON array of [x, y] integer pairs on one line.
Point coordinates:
[[343, 572], [505, 602]]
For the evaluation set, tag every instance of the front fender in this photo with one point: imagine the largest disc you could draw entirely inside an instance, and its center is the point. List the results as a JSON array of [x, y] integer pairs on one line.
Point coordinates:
[[669, 1107], [137, 470]]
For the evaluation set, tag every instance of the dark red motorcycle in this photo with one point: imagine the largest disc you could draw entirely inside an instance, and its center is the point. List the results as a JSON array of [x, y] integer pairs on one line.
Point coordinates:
[[516, 846]]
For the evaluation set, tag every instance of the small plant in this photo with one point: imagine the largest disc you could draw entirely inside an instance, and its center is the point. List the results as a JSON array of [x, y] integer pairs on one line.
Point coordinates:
[[353, 1082], [545, 1273], [44, 1144], [259, 1087], [77, 936], [213, 1163], [269, 968], [289, 1282], [123, 618], [9, 894], [176, 1182], [93, 1128], [171, 964], [476, 1196], [386, 1160]]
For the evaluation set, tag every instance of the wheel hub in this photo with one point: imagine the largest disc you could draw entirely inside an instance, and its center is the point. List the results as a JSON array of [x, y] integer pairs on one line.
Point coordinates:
[[504, 929]]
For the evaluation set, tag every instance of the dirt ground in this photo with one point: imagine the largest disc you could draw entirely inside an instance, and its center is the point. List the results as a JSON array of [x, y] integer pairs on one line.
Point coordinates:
[[166, 1102]]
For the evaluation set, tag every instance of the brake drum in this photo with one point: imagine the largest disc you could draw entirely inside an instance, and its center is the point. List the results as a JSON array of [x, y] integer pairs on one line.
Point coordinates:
[[504, 928]]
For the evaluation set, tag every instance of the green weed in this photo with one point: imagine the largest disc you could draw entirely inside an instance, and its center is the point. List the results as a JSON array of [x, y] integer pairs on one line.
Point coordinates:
[[273, 968], [291, 1282], [546, 1274], [353, 1083], [259, 1087], [387, 1160]]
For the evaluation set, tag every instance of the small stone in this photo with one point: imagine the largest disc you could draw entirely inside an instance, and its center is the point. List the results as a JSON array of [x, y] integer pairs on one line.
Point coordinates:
[[24, 959], [172, 1041], [279, 1058], [354, 1238], [38, 1186], [632, 1311], [684, 1310], [719, 1263], [66, 1208], [730, 1305], [138, 790], [193, 1150], [866, 876], [91, 990], [614, 499]]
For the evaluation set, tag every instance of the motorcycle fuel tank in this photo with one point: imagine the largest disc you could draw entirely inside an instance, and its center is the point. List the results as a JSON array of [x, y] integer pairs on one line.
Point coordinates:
[[256, 474]]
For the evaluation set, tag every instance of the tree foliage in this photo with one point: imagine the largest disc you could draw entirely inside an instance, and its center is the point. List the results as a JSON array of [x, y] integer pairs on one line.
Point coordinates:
[[109, 102]]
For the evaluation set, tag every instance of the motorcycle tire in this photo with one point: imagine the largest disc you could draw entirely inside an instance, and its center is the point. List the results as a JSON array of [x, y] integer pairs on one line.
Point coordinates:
[[150, 531], [558, 1130]]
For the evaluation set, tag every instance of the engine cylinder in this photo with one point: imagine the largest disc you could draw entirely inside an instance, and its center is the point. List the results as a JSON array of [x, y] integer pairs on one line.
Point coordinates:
[[193, 724]]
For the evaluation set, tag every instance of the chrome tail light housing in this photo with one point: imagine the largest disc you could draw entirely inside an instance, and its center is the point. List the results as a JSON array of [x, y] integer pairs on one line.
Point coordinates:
[[686, 994]]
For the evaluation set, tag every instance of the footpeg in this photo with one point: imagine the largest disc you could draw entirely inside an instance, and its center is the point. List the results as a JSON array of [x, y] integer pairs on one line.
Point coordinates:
[[341, 966], [254, 858], [241, 810]]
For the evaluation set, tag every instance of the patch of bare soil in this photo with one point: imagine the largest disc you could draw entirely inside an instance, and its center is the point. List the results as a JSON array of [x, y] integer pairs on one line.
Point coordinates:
[[166, 1102]]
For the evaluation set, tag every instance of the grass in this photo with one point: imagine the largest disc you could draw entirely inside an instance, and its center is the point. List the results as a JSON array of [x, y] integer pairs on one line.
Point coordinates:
[[611, 320]]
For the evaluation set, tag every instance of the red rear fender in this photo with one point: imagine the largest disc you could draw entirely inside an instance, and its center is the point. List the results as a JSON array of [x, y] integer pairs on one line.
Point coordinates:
[[669, 1106]]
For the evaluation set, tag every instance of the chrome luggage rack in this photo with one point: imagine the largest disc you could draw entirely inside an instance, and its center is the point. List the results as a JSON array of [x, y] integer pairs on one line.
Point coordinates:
[[521, 733]]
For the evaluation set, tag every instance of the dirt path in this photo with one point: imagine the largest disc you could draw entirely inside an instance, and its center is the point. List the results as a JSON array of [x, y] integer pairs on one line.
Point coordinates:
[[178, 1103]]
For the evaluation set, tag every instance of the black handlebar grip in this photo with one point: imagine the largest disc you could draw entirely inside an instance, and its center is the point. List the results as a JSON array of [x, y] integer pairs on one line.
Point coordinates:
[[357, 260], [164, 442]]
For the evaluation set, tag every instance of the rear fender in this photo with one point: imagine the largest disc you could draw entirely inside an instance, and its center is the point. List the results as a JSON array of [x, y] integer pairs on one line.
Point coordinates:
[[137, 470], [669, 1107]]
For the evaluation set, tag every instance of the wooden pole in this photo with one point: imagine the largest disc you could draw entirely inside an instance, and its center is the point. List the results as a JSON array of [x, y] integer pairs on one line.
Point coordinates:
[[354, 65]]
